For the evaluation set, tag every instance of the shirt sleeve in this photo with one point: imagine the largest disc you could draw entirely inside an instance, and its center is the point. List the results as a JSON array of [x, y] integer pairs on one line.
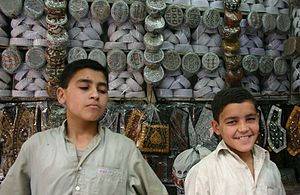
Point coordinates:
[[17, 180], [142, 179], [197, 182]]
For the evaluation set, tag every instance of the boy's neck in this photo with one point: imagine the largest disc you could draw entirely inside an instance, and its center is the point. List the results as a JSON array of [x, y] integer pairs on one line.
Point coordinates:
[[81, 133]]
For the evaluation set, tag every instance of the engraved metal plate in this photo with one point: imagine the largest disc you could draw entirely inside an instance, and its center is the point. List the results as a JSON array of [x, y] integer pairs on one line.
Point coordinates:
[[78, 8], [254, 20], [135, 59], [153, 41], [11, 8], [100, 10], [155, 7], [153, 57], [120, 12], [116, 60], [33, 8], [153, 76], [11, 59], [191, 63], [265, 65], [76, 53], [35, 57], [98, 56], [154, 24], [280, 66], [210, 61], [211, 18], [137, 12], [193, 17], [250, 63], [269, 22], [283, 22], [172, 60], [174, 16]]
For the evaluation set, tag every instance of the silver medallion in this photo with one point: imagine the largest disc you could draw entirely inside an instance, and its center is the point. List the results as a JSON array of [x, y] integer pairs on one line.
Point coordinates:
[[116, 60], [191, 63], [153, 76], [138, 12], [153, 57], [135, 59], [100, 10], [211, 18], [174, 16], [280, 66], [193, 17], [172, 60], [119, 12], [250, 63], [154, 24], [210, 61], [153, 41]]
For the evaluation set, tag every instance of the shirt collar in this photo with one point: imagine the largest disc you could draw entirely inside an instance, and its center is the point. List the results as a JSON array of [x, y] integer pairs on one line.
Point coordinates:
[[96, 139], [258, 151]]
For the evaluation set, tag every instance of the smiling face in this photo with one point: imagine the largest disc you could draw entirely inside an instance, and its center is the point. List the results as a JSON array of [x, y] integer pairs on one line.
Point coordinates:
[[239, 127], [86, 95]]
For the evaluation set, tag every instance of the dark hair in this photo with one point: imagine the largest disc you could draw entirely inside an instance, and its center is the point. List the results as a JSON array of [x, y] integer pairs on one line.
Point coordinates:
[[77, 65], [228, 96]]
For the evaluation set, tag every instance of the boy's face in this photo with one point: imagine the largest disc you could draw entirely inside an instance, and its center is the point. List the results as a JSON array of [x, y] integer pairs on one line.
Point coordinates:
[[86, 95], [239, 126]]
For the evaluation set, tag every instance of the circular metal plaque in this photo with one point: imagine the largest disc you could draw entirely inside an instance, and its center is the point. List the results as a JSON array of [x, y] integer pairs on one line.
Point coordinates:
[[153, 76], [116, 60], [120, 12], [250, 63], [78, 8], [254, 20], [155, 7], [98, 56], [283, 22], [135, 59], [35, 57], [100, 10], [172, 60], [153, 41], [138, 12], [174, 16], [154, 24], [191, 63], [193, 17], [153, 57], [211, 18], [268, 22], [210, 61], [265, 65], [76, 53], [11, 59], [34, 8], [280, 66]]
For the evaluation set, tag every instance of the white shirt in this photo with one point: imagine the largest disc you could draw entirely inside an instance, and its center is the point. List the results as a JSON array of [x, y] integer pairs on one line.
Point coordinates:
[[223, 173]]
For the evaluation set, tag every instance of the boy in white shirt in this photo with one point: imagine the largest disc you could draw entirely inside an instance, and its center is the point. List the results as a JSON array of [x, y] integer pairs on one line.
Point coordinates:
[[237, 166]]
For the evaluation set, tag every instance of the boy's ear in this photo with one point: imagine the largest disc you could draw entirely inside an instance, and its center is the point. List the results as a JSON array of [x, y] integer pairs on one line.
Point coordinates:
[[60, 95], [215, 127]]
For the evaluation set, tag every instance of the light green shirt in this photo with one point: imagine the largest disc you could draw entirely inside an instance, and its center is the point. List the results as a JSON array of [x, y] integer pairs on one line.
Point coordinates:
[[111, 165], [223, 172]]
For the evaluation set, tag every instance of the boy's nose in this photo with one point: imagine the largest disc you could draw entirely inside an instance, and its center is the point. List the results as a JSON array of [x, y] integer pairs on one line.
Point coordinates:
[[243, 127], [94, 94]]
